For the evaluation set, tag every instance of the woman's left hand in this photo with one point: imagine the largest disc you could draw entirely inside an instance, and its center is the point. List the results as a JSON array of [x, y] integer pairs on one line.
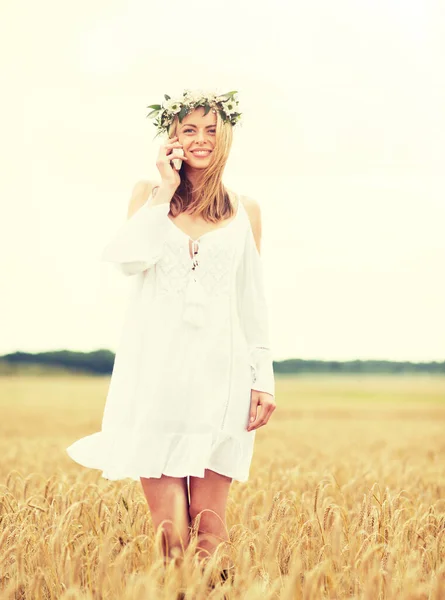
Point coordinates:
[[262, 406]]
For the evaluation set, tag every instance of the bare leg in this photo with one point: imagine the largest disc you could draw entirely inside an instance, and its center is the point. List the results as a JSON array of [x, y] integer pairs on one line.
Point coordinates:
[[167, 498], [209, 492]]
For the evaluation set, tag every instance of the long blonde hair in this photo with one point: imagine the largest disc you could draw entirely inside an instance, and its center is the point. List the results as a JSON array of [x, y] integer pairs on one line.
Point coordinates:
[[210, 199]]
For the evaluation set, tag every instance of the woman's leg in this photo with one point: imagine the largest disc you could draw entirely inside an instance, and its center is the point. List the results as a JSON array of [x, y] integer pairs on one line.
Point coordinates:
[[209, 492], [167, 498]]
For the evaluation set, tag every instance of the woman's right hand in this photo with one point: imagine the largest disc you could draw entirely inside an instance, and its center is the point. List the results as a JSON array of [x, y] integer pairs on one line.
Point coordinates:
[[169, 175]]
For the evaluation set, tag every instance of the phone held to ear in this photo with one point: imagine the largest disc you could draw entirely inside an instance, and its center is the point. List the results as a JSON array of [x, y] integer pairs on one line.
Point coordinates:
[[177, 162]]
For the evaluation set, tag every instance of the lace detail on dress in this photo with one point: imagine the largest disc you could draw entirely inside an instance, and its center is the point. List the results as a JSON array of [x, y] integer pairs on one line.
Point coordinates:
[[175, 267], [214, 268]]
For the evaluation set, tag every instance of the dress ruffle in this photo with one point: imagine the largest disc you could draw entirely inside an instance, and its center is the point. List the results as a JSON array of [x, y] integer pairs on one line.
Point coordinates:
[[120, 454]]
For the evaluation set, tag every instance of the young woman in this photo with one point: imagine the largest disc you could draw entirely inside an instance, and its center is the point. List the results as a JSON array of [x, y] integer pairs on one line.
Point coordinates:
[[193, 373]]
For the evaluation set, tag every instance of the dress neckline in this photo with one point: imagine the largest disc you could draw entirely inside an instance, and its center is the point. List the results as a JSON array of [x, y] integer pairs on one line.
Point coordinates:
[[194, 240]]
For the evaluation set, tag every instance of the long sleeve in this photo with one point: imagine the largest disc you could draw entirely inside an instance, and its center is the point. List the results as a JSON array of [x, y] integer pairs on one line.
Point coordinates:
[[138, 244], [253, 313]]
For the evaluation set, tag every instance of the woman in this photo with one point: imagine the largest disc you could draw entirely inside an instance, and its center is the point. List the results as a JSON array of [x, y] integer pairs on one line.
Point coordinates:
[[193, 373]]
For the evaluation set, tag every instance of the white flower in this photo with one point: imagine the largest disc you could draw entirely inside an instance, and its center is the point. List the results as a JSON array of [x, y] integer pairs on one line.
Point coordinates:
[[198, 97], [193, 96], [211, 97], [230, 107], [173, 106]]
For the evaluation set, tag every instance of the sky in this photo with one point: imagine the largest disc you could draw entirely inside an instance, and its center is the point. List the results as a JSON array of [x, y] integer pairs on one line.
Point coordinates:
[[342, 144]]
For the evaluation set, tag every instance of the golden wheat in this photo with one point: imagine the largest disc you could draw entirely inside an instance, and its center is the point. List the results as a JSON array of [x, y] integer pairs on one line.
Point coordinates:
[[346, 499]]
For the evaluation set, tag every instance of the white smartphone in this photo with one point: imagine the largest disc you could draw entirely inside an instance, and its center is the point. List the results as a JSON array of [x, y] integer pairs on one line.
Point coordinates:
[[177, 162]]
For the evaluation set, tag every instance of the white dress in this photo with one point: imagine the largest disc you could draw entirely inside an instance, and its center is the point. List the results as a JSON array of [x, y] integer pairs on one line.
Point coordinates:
[[195, 341]]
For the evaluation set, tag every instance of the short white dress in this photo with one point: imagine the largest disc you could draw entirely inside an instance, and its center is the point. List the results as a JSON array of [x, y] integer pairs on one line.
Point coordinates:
[[194, 343]]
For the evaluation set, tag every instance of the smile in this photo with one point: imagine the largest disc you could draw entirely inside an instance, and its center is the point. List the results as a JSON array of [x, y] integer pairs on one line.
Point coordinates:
[[201, 153]]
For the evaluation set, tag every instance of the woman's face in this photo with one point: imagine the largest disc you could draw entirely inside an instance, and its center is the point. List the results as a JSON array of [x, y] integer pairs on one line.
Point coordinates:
[[197, 134]]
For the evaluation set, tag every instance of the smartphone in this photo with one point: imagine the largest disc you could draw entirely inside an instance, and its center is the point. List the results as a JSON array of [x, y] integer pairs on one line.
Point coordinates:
[[177, 162]]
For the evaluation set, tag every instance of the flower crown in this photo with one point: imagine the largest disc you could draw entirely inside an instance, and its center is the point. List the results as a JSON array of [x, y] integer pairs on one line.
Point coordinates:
[[225, 104]]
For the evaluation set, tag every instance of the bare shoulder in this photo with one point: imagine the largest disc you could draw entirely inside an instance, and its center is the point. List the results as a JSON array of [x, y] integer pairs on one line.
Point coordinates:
[[140, 193], [253, 210], [252, 207]]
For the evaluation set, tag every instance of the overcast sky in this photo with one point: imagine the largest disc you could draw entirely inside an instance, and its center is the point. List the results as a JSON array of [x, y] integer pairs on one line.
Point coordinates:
[[342, 143]]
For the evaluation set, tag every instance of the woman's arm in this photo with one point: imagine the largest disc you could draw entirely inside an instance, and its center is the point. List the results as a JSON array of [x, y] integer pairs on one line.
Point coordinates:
[[252, 305], [138, 244], [153, 192]]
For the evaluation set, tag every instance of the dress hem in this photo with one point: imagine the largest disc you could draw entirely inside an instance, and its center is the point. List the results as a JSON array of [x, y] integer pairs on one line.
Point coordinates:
[[171, 454]]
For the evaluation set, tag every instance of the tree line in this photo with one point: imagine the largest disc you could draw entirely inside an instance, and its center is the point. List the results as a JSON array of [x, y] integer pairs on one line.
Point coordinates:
[[100, 362]]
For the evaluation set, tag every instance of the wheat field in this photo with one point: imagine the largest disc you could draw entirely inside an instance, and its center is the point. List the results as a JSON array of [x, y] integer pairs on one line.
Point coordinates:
[[346, 499]]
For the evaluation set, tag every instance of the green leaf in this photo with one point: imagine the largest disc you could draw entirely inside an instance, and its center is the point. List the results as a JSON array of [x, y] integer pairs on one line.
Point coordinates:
[[207, 108], [182, 113], [222, 113], [157, 106], [228, 95], [166, 97], [153, 113]]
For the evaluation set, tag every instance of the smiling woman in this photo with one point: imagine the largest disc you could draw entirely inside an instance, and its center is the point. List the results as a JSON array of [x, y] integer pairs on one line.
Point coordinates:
[[206, 141], [193, 374], [198, 138]]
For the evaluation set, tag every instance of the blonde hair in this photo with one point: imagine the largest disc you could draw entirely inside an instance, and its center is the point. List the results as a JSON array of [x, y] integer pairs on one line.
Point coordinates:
[[210, 199]]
